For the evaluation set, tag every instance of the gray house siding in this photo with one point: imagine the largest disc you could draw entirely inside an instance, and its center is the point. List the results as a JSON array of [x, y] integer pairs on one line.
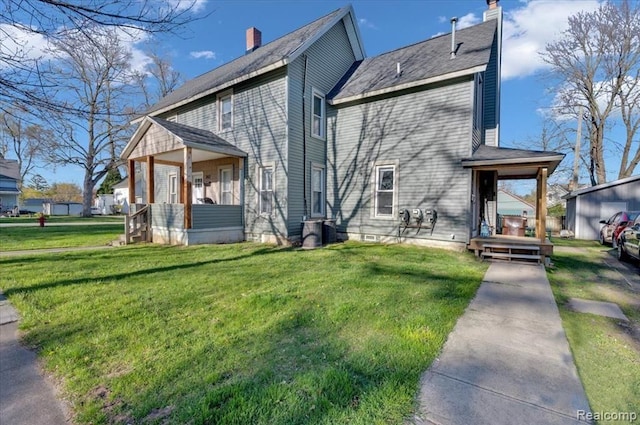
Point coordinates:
[[425, 134], [216, 216], [585, 210], [327, 60]]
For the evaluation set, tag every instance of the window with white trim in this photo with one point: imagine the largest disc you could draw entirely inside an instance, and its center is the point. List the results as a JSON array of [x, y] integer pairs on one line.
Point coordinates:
[[266, 190], [226, 186], [318, 118], [385, 190], [317, 191], [225, 111], [173, 188]]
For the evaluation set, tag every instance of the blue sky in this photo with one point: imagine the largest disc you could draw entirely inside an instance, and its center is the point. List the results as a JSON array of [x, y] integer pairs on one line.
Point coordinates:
[[386, 25]]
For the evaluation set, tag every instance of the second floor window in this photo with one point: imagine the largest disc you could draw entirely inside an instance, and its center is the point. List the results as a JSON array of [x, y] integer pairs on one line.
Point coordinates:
[[318, 123], [225, 111]]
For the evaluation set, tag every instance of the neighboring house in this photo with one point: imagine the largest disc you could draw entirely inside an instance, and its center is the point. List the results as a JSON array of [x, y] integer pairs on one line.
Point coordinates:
[[556, 194], [586, 207], [9, 184], [512, 204], [307, 127]]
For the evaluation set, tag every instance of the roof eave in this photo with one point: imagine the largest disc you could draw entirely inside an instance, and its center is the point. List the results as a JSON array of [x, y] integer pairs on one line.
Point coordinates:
[[219, 87], [409, 85]]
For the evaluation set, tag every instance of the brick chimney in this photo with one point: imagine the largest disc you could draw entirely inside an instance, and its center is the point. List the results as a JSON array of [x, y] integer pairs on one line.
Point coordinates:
[[254, 39], [492, 4]]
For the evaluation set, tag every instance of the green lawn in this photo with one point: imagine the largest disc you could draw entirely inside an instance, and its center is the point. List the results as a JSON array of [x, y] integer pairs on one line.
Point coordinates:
[[23, 238], [63, 219], [606, 353], [243, 333]]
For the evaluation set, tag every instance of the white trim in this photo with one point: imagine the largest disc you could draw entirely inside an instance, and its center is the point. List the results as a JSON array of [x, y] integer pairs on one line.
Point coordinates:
[[322, 135], [220, 98], [323, 189], [417, 83]]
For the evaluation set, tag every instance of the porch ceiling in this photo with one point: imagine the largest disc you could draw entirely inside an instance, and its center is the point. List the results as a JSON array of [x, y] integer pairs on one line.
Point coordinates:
[[197, 156], [513, 163]]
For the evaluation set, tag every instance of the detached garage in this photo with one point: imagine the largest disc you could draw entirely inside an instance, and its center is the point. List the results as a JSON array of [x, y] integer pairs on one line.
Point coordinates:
[[586, 207]]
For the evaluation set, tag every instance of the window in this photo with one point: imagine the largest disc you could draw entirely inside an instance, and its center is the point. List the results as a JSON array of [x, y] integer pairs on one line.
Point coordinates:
[[385, 190], [317, 191], [318, 123], [226, 186], [266, 190], [225, 111], [173, 188]]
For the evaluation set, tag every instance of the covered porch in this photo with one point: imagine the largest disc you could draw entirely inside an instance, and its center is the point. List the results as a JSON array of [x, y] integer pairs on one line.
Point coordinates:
[[489, 165], [192, 185]]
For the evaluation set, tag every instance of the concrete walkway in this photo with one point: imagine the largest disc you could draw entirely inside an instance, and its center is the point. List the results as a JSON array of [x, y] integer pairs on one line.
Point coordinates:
[[26, 397], [507, 360]]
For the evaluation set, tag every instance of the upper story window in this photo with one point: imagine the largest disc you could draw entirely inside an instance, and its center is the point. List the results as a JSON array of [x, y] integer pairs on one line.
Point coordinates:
[[225, 111], [319, 119]]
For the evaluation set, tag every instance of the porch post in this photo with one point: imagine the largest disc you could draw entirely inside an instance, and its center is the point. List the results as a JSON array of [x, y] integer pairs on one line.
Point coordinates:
[[132, 184], [186, 190], [150, 180], [541, 204]]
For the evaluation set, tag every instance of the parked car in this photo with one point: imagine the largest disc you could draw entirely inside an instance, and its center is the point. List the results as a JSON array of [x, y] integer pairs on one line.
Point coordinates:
[[610, 232], [629, 241]]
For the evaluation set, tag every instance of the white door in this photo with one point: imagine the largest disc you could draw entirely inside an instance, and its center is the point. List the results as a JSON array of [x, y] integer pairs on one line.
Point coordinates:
[[226, 186], [197, 189]]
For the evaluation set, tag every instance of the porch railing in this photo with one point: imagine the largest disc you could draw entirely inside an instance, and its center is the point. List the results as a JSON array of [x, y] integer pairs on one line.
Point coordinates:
[[137, 226]]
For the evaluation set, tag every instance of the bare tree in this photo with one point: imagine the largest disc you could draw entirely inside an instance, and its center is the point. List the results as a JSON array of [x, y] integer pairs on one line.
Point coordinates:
[[597, 64], [93, 72], [159, 79], [22, 139], [48, 21]]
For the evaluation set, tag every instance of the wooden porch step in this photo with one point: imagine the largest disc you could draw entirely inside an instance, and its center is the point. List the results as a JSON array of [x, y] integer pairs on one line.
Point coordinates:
[[512, 246], [509, 255]]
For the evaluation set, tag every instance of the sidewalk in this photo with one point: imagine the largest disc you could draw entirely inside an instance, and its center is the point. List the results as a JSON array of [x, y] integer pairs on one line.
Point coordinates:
[[26, 397], [507, 360]]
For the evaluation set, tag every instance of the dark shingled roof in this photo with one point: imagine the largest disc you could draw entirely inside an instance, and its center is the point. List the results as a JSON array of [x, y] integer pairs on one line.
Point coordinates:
[[10, 168], [420, 61], [191, 135], [492, 153], [266, 55]]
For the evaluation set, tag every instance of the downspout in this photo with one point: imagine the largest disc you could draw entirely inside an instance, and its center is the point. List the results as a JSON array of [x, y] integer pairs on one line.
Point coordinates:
[[304, 137]]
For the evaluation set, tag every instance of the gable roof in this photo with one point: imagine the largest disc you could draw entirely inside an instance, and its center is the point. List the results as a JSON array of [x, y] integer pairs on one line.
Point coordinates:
[[626, 180], [266, 58], [422, 63], [517, 198], [513, 163], [10, 168], [189, 136]]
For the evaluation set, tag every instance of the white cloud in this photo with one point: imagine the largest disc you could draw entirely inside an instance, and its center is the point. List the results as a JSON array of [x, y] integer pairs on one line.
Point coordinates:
[[206, 54], [442, 19], [526, 31], [20, 42], [182, 5], [364, 22], [468, 20]]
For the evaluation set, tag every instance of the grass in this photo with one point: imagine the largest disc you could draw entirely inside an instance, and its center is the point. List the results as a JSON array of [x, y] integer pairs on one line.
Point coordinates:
[[63, 219], [606, 352], [25, 238], [241, 333]]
